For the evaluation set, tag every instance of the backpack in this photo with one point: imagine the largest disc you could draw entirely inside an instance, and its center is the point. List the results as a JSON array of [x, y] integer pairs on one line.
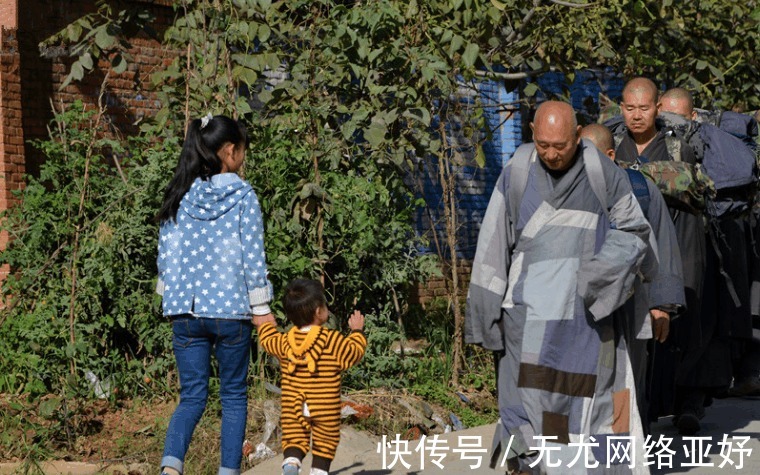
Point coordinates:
[[741, 126], [727, 159], [526, 155], [723, 144], [683, 185]]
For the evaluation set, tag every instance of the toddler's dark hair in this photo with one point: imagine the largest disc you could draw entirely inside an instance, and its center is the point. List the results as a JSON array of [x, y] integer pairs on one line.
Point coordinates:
[[302, 298]]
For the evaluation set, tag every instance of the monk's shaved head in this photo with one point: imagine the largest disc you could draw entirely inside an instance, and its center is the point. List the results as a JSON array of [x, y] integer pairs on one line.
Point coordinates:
[[639, 109], [641, 85], [554, 111], [556, 134], [677, 101], [601, 137], [678, 93]]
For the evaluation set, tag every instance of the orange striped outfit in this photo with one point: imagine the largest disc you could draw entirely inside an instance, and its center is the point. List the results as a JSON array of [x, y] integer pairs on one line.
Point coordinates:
[[311, 364]]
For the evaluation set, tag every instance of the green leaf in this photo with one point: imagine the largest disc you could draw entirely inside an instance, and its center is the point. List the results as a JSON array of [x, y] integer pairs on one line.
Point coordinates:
[[103, 39], [499, 5], [86, 60], [74, 31], [119, 64], [77, 71], [250, 61], [264, 33], [243, 106], [716, 72], [375, 134], [456, 43], [480, 156], [247, 75], [530, 89], [470, 54], [606, 52], [427, 73], [419, 114], [49, 407]]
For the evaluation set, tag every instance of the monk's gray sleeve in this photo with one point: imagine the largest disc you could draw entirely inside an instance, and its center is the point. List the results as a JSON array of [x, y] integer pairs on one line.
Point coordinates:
[[605, 281], [666, 289], [488, 282]]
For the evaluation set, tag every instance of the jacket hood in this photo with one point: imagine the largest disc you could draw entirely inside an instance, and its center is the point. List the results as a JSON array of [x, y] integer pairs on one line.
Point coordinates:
[[209, 199]]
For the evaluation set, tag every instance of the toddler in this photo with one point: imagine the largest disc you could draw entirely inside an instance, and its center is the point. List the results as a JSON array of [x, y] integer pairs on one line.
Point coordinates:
[[312, 359]]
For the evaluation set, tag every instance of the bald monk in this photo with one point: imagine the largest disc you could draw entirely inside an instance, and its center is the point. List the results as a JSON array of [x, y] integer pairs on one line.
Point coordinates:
[[649, 312], [678, 101], [673, 385], [553, 263]]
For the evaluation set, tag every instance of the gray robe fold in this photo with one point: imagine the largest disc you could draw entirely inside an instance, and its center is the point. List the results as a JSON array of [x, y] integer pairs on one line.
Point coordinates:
[[665, 291]]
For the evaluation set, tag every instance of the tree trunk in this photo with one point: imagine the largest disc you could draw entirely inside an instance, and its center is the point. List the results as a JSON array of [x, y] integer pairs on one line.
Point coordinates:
[[447, 179]]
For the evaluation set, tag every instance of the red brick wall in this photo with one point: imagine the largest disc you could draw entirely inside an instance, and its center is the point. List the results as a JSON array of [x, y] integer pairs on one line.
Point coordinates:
[[8, 13], [437, 288], [127, 94], [11, 133], [30, 81]]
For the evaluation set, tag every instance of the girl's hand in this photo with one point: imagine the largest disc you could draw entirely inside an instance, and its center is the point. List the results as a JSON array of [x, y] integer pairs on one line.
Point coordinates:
[[262, 319], [356, 321]]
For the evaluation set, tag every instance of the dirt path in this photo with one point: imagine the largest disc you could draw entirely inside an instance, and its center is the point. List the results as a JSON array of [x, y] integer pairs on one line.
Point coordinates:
[[358, 452]]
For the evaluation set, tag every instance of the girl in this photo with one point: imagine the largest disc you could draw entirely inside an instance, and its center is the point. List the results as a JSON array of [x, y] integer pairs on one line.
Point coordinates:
[[212, 276]]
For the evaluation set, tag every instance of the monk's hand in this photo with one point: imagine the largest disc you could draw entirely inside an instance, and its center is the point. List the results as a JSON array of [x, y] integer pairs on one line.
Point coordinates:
[[660, 324]]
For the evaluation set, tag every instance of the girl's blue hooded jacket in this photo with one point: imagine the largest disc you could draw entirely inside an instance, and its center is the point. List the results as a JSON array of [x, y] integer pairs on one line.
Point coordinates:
[[211, 259]]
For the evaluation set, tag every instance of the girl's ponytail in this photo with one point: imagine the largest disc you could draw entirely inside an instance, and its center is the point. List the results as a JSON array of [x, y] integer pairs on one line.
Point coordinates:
[[199, 158]]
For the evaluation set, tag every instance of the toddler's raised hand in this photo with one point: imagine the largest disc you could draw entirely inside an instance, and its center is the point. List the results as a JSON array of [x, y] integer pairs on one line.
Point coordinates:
[[356, 321]]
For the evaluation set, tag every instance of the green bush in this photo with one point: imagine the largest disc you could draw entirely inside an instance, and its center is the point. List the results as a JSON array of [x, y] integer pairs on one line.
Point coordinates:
[[82, 254]]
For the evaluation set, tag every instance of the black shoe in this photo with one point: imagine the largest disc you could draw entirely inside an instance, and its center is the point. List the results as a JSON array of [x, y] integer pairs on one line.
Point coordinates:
[[687, 423]]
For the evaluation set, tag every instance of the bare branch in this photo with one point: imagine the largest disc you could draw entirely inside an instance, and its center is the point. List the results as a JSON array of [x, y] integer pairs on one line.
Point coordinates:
[[573, 5], [511, 76], [517, 33]]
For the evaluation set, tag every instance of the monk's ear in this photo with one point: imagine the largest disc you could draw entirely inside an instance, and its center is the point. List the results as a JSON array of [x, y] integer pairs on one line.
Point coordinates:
[[531, 127], [578, 134]]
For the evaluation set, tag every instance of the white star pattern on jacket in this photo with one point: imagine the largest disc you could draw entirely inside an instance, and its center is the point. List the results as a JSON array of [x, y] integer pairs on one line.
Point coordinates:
[[211, 260]]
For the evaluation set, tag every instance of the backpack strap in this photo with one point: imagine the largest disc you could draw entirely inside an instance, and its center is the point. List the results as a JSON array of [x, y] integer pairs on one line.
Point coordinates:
[[673, 145], [618, 138], [712, 230], [592, 162], [640, 189], [520, 164], [523, 159]]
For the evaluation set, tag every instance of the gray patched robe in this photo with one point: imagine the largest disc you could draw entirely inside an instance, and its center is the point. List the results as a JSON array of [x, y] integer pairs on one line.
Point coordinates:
[[665, 292], [546, 302]]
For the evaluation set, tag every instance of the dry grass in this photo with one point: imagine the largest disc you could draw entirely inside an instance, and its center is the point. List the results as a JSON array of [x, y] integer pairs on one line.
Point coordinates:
[[131, 433]]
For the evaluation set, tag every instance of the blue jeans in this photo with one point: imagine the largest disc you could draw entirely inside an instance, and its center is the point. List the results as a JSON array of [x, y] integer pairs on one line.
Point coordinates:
[[194, 339]]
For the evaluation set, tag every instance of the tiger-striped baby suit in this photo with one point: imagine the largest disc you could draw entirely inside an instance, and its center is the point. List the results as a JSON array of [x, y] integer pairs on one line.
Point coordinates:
[[312, 362]]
